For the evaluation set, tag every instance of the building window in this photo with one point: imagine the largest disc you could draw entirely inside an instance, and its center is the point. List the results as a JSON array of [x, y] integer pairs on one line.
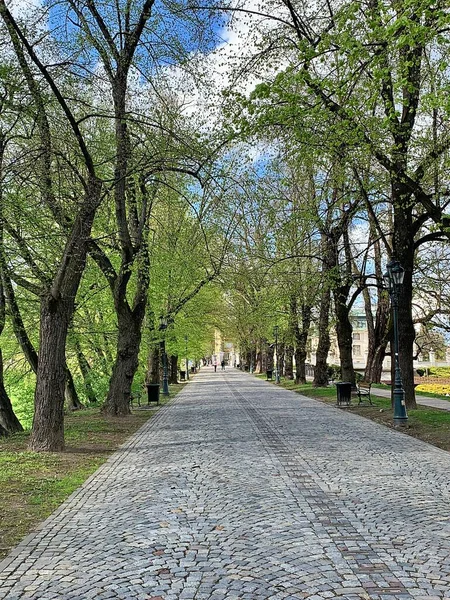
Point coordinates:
[[356, 350], [356, 336]]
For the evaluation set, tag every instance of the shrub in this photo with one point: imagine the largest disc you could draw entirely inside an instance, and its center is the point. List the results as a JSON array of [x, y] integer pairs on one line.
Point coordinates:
[[334, 372], [439, 371]]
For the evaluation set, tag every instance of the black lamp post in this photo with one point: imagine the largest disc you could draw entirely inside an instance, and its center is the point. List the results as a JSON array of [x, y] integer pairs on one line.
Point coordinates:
[[393, 279], [163, 327], [277, 370], [187, 362]]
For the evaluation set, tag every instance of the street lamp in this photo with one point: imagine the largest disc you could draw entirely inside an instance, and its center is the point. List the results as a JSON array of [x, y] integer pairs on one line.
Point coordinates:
[[187, 362], [277, 370], [163, 327], [393, 279]]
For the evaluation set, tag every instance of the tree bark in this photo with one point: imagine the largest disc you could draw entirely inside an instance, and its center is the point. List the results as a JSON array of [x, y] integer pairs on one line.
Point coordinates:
[[57, 308], [48, 423], [117, 402], [289, 362], [153, 365], [404, 251], [301, 340], [73, 401], [9, 423], [323, 346], [173, 369], [281, 347]]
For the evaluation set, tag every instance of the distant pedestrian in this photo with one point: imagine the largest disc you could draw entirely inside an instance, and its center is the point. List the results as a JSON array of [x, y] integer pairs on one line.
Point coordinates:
[[215, 367], [223, 365]]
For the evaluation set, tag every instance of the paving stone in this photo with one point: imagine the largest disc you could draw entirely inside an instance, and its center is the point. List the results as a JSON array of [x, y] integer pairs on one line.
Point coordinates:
[[240, 490]]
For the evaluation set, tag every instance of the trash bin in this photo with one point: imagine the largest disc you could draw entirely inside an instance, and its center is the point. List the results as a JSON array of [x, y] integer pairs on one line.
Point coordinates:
[[182, 375], [153, 392], [269, 374], [344, 393]]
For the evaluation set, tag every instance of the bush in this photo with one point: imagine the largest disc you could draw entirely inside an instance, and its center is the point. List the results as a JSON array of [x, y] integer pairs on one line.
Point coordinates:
[[334, 372], [439, 371], [420, 372]]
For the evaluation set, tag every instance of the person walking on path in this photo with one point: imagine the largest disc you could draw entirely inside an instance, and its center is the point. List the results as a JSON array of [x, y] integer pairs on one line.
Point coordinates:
[[223, 365], [215, 367]]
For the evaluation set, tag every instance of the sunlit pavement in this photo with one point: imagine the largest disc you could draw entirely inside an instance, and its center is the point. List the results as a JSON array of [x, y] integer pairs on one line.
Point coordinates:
[[242, 490]]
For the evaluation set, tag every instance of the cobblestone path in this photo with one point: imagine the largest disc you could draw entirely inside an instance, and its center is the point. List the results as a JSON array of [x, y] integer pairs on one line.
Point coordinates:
[[242, 490]]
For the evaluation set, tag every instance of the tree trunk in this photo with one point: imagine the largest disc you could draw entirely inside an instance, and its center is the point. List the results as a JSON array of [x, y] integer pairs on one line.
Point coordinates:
[[323, 347], [17, 321], [301, 339], [403, 251], [173, 369], [57, 307], [344, 332], [289, 362], [48, 423], [72, 399], [259, 360], [86, 371], [378, 343], [406, 331], [9, 423], [117, 402], [153, 364]]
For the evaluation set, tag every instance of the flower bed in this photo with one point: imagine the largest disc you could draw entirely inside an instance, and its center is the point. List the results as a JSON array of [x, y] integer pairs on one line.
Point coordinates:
[[441, 388]]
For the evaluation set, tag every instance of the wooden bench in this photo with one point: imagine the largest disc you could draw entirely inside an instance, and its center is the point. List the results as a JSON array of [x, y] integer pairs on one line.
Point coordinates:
[[363, 391]]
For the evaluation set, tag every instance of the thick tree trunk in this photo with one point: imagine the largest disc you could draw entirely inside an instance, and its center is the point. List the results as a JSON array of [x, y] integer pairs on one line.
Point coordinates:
[[173, 369], [48, 422], [259, 359], [9, 423], [57, 307], [323, 347], [117, 402], [403, 251], [153, 365], [270, 358], [344, 332], [289, 362]]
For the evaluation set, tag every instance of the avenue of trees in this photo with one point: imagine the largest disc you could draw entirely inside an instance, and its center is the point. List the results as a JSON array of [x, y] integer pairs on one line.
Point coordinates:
[[132, 187]]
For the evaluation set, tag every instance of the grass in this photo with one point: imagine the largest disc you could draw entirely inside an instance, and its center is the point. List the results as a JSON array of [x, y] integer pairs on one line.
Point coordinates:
[[34, 484], [428, 424]]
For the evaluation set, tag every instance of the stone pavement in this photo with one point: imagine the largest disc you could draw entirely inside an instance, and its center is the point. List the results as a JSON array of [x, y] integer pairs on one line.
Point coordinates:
[[240, 490]]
